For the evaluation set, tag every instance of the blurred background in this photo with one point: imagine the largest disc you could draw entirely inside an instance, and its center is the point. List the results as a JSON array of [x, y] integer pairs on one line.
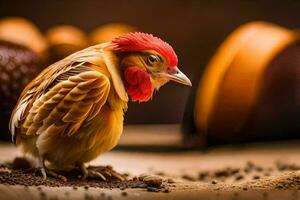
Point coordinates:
[[194, 28]]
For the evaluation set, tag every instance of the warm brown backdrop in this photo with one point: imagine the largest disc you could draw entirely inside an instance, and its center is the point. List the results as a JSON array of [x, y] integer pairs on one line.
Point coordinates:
[[194, 28]]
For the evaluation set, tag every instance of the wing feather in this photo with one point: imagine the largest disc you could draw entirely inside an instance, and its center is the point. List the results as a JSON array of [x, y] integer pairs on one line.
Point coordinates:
[[70, 109]]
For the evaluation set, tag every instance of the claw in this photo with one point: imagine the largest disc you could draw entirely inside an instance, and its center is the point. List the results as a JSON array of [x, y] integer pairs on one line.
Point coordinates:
[[90, 173], [100, 172], [107, 173], [44, 171], [95, 174], [56, 175], [118, 176]]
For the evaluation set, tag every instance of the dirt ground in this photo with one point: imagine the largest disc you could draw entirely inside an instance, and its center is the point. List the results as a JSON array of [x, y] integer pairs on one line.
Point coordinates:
[[255, 171]]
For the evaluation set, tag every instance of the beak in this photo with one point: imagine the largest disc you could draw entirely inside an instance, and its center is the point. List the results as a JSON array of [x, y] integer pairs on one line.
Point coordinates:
[[177, 76]]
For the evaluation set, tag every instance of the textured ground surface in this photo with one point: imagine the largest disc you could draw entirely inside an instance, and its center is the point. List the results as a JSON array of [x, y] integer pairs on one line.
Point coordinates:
[[257, 171]]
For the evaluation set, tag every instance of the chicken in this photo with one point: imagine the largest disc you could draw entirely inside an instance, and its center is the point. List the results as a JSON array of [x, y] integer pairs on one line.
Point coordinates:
[[73, 110]]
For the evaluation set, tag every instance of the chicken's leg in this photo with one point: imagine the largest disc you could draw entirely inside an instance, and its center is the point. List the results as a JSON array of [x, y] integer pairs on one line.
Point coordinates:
[[89, 172], [44, 170]]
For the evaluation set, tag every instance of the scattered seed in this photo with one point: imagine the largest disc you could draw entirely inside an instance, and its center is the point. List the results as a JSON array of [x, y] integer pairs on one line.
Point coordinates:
[[166, 190], [153, 181], [203, 175], [170, 180], [234, 170], [222, 173], [124, 193], [279, 187], [258, 169], [188, 177], [160, 173], [239, 177], [142, 176], [250, 164]]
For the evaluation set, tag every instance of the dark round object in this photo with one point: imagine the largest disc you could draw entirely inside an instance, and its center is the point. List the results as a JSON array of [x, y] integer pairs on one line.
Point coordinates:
[[21, 163], [18, 66]]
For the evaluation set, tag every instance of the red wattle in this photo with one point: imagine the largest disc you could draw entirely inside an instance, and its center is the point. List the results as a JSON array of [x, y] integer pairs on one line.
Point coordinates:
[[138, 84]]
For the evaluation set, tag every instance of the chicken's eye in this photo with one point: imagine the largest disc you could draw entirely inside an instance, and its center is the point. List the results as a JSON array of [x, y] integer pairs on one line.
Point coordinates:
[[152, 59]]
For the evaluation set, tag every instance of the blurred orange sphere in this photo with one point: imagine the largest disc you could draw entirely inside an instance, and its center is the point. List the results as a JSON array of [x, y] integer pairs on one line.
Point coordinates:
[[64, 40], [23, 32], [107, 32], [234, 83]]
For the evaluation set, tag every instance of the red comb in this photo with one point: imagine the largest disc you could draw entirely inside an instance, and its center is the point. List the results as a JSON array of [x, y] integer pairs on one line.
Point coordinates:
[[138, 41]]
